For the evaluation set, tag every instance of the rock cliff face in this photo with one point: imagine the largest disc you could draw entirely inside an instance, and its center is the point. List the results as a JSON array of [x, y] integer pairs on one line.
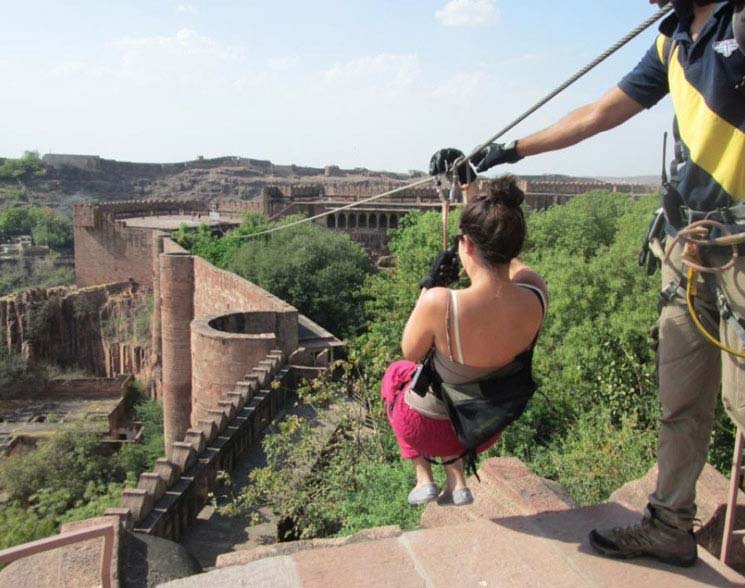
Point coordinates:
[[72, 178], [103, 330]]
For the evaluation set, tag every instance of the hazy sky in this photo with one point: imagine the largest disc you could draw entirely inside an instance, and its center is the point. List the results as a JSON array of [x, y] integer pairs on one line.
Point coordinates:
[[374, 83]]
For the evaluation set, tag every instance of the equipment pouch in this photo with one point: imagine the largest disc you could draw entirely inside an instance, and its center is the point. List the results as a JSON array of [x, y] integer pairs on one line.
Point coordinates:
[[423, 377], [656, 231]]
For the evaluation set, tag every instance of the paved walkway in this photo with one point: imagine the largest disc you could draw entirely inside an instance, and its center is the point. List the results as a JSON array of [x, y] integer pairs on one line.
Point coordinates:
[[546, 550], [522, 531]]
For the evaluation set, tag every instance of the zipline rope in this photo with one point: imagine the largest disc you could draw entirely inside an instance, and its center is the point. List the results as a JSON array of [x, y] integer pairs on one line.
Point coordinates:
[[581, 73], [540, 104]]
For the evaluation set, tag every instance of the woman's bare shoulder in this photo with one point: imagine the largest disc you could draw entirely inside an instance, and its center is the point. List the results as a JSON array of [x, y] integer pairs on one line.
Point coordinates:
[[434, 299], [525, 275]]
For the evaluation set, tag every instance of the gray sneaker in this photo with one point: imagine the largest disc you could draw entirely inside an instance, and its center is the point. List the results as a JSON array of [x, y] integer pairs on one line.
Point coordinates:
[[422, 494], [652, 537]]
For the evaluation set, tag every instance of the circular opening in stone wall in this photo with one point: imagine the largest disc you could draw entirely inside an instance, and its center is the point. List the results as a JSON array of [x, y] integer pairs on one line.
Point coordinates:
[[245, 323]]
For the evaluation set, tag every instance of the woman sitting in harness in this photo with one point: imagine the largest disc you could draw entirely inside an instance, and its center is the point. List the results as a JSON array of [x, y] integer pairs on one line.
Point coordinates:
[[473, 333]]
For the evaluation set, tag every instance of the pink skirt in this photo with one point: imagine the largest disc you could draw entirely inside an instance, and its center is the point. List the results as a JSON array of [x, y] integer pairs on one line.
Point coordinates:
[[417, 434]]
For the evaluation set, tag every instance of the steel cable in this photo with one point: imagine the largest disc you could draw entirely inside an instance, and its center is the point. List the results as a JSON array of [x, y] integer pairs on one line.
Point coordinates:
[[540, 104]]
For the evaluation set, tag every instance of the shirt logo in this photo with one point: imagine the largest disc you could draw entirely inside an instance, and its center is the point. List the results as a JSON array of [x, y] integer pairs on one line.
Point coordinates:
[[727, 47]]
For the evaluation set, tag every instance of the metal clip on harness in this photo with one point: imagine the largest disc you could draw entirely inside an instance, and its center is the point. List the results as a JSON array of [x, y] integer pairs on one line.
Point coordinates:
[[695, 236]]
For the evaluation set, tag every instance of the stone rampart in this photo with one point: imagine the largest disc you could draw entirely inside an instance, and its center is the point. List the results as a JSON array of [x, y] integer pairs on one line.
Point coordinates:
[[167, 500], [218, 292], [89, 163], [224, 350], [107, 250]]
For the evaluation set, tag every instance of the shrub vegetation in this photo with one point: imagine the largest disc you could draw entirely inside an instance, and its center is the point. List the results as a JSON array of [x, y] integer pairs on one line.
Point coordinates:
[[68, 478]]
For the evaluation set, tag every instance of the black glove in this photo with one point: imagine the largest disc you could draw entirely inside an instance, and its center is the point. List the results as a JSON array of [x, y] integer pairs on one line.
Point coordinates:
[[444, 271], [495, 154], [442, 162]]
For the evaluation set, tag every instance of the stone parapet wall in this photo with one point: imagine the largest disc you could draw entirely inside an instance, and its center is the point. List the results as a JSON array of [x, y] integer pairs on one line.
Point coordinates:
[[218, 292], [223, 353], [167, 500], [107, 252]]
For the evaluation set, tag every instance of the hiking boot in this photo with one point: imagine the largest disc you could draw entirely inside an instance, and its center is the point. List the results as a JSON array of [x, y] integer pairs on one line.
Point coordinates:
[[652, 537]]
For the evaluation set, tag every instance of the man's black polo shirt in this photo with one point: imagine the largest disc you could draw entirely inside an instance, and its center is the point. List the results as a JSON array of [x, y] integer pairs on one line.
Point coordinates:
[[701, 78]]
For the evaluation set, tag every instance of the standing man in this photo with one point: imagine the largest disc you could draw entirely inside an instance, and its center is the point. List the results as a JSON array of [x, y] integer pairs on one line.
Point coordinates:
[[697, 60]]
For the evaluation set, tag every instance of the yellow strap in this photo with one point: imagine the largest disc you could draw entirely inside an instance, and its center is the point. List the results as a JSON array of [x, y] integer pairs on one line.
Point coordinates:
[[692, 275]]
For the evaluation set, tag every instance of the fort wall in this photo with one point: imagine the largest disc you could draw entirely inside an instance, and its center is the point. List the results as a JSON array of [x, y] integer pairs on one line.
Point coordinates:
[[105, 252], [224, 350], [218, 292]]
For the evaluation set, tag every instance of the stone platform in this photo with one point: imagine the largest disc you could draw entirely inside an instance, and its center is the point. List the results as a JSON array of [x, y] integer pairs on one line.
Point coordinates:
[[521, 531], [544, 550]]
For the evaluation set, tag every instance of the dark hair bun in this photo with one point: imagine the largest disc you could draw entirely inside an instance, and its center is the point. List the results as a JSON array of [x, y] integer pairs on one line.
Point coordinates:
[[494, 221], [504, 191]]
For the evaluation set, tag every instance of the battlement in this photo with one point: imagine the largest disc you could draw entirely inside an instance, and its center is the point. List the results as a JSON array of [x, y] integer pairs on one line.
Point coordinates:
[[167, 500]]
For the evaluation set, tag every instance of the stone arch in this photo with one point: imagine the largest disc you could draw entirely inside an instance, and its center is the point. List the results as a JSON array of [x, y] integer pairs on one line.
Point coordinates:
[[363, 221], [394, 221], [383, 221], [331, 221], [342, 221], [373, 224], [352, 221]]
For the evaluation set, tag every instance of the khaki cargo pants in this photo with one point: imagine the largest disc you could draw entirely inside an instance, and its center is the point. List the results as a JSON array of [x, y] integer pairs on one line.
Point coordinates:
[[690, 372]]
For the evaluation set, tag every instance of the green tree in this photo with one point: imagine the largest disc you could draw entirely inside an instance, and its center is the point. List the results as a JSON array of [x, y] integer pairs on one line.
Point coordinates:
[[17, 221], [317, 271], [53, 230], [27, 166], [45, 225], [216, 248]]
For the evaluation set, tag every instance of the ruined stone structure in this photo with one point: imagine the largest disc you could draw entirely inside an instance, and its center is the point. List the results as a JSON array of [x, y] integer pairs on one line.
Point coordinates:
[[90, 329], [36, 411]]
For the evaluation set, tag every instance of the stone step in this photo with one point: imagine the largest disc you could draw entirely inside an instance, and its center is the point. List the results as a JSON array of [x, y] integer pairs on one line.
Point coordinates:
[[544, 550], [507, 488]]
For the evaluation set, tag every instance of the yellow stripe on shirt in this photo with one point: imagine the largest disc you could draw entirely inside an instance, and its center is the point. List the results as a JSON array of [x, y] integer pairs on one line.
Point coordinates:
[[715, 145], [661, 47]]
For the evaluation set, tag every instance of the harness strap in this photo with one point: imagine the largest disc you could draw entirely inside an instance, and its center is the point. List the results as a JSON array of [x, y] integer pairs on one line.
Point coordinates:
[[725, 311], [456, 326], [447, 327], [728, 215]]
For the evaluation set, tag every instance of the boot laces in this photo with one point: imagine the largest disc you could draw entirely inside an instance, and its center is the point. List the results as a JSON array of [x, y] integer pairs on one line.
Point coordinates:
[[638, 535]]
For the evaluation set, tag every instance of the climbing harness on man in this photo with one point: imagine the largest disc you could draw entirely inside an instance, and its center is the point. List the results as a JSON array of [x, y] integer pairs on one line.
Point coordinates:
[[703, 234]]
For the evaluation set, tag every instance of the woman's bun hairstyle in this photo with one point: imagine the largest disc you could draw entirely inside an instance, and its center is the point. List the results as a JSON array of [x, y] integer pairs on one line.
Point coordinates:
[[494, 222], [504, 191]]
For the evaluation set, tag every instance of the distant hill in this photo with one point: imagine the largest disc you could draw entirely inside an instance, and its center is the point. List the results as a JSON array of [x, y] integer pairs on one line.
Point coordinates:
[[68, 179]]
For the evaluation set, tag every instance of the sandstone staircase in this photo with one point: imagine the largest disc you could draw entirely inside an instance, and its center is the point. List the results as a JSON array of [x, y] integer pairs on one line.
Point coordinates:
[[521, 531]]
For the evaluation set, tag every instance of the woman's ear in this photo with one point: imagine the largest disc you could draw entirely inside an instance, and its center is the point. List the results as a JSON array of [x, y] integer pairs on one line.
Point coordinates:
[[467, 244]]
